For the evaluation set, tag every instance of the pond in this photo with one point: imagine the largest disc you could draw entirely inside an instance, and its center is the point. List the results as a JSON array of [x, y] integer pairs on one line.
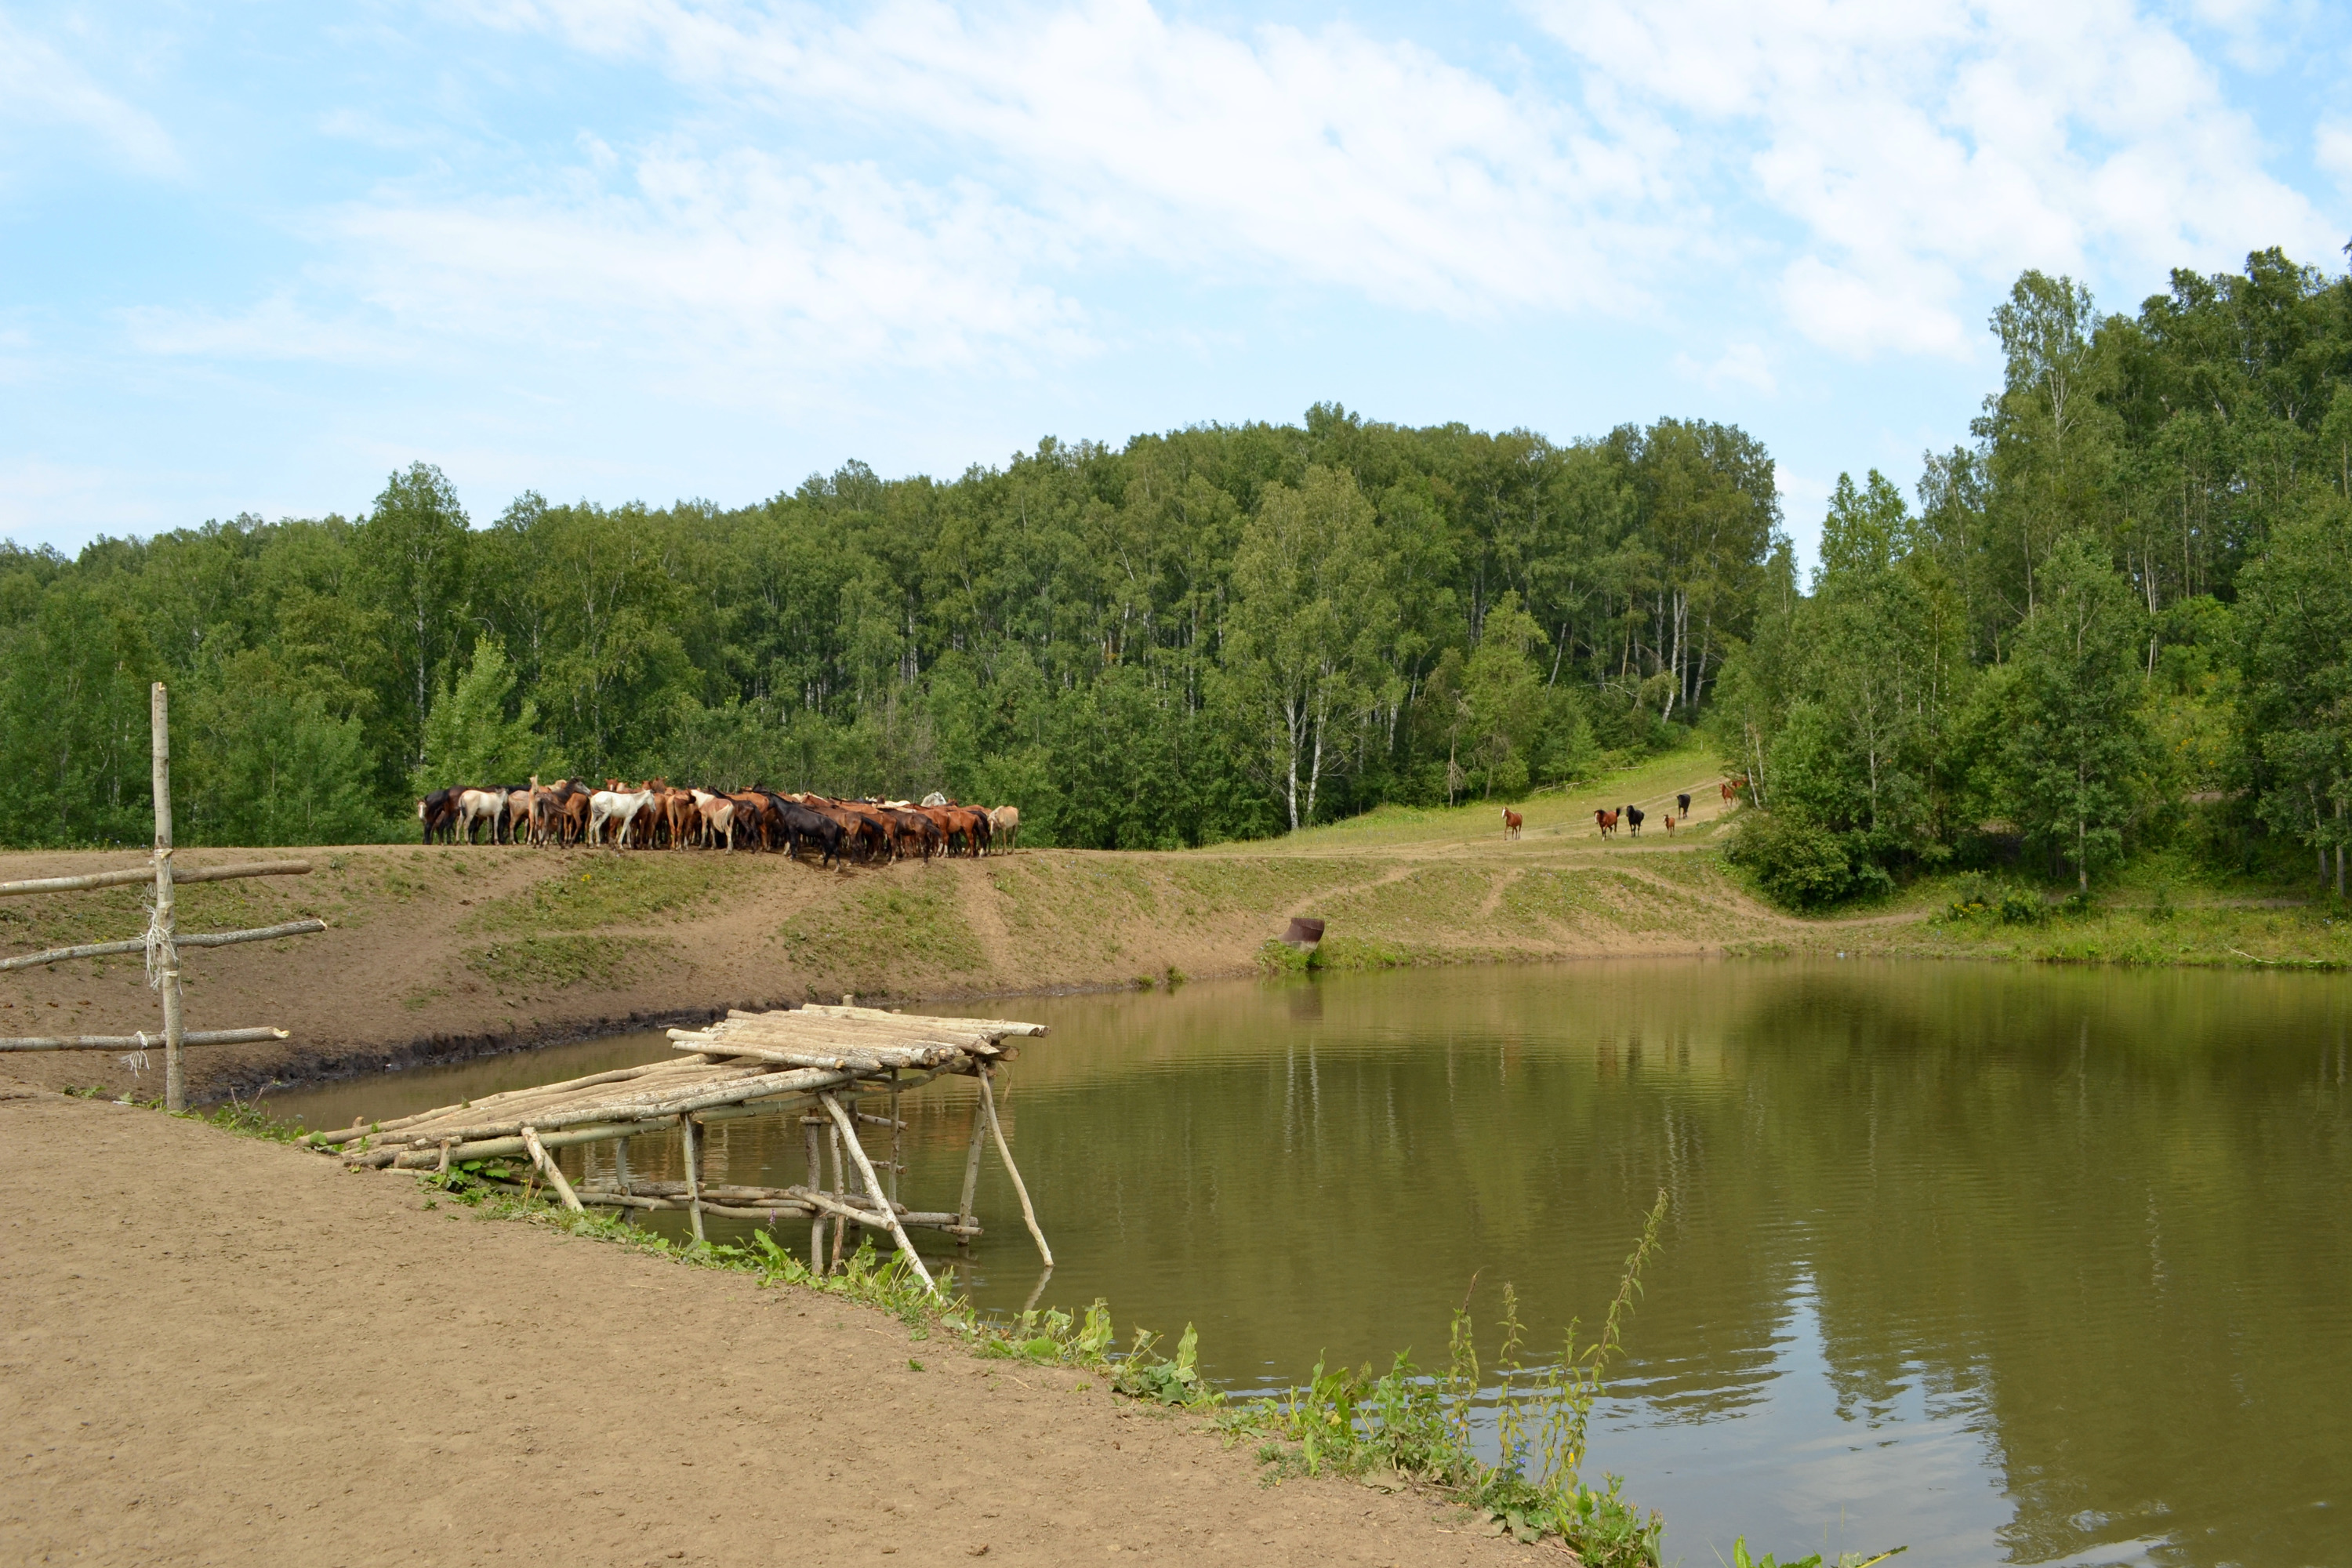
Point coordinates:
[[2012, 1265]]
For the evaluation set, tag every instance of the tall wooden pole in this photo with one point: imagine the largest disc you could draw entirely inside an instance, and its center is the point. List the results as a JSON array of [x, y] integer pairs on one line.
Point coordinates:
[[167, 954]]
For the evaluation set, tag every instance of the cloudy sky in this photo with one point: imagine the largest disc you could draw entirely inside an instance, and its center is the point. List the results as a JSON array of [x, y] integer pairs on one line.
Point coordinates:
[[254, 256]]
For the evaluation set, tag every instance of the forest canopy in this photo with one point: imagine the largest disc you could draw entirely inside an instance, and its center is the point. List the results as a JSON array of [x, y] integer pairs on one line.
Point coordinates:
[[2125, 594], [2127, 590], [1209, 634]]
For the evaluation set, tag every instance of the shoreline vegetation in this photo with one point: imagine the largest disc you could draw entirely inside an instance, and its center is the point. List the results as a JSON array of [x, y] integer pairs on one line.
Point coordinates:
[[446, 952]]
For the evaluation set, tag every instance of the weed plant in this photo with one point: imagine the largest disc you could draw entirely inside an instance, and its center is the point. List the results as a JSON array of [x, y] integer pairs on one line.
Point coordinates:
[[1418, 1425]]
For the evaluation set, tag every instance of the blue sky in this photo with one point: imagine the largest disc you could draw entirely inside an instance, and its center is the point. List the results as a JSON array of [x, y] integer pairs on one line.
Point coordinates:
[[254, 256]]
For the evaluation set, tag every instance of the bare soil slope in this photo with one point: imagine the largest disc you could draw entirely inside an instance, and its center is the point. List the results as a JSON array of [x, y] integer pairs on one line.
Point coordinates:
[[450, 950], [285, 1363]]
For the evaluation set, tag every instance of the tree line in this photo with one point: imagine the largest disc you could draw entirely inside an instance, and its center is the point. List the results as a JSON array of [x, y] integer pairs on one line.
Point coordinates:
[[2120, 612], [1209, 634]]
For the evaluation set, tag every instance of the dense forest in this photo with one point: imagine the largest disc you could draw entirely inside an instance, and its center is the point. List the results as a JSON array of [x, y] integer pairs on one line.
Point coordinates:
[[1211, 634], [2129, 590], [2127, 596]]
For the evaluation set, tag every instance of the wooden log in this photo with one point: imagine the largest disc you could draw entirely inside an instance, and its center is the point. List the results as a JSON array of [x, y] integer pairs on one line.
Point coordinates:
[[693, 1173], [840, 1232], [998, 1026], [1028, 1214], [654, 1105], [547, 1167], [809, 1125], [972, 1161], [874, 1185], [422, 1118], [826, 1046], [600, 1120], [163, 954], [897, 1139], [182, 874], [488, 1148], [137, 1042], [138, 943], [834, 1061], [401, 1126]]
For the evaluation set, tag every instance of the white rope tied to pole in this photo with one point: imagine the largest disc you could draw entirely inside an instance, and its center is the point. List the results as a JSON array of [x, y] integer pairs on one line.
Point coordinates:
[[137, 1060], [154, 937]]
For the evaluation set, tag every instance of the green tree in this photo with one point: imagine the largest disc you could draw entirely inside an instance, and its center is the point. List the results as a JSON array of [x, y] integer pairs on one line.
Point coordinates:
[[266, 763], [412, 550], [2297, 714], [477, 732], [1504, 684], [1311, 608], [2079, 748]]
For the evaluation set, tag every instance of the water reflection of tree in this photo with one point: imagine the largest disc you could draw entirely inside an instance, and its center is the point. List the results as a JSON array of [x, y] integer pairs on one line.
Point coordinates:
[[2099, 1214]]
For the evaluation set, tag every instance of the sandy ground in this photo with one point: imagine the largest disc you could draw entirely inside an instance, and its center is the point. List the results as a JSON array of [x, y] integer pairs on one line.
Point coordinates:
[[221, 1350]]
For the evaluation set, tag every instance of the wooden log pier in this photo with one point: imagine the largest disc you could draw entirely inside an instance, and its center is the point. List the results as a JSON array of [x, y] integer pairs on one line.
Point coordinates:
[[811, 1063]]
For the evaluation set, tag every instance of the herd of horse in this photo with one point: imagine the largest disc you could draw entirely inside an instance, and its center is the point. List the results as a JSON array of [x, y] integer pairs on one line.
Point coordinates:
[[655, 815], [1633, 816]]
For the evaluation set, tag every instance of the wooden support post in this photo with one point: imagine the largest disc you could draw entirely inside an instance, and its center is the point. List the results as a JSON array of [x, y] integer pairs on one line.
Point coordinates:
[[166, 955], [809, 1125], [840, 1231], [693, 1174], [621, 1166], [1028, 1214], [971, 1170], [898, 1138], [848, 1130], [549, 1168]]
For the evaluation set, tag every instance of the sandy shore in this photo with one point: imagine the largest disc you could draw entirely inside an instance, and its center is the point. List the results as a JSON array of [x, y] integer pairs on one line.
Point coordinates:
[[220, 1350]]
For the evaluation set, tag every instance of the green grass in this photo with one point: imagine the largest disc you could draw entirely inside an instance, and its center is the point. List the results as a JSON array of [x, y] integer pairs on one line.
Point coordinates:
[[1430, 904], [564, 960], [1214, 883], [1548, 813], [880, 933], [615, 890]]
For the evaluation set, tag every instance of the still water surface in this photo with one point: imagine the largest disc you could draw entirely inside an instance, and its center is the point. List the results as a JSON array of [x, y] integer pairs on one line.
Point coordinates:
[[2021, 1265]]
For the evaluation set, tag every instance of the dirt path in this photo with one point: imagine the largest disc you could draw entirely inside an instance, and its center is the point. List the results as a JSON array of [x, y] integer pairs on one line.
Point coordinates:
[[438, 953], [285, 1363]]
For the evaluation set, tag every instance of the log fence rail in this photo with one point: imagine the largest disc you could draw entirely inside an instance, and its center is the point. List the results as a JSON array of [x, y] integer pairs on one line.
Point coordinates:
[[162, 941]]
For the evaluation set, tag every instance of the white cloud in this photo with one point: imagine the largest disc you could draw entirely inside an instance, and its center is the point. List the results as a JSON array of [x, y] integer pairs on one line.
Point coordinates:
[[1876, 171], [40, 88], [2332, 151], [741, 267], [1326, 157], [1929, 150], [1739, 364]]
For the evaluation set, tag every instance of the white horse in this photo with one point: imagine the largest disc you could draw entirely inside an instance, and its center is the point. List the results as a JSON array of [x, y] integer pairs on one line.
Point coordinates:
[[607, 805], [474, 805], [717, 814], [1004, 825]]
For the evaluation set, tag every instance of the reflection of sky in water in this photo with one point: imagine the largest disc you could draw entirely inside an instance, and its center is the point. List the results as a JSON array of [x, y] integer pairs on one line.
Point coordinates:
[[1788, 1466]]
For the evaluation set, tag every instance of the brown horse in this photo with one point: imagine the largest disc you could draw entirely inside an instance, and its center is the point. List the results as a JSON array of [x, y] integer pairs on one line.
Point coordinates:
[[1607, 821], [1511, 822]]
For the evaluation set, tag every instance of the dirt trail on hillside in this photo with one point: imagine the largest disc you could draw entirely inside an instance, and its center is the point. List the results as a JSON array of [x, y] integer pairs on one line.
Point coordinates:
[[448, 951], [285, 1363]]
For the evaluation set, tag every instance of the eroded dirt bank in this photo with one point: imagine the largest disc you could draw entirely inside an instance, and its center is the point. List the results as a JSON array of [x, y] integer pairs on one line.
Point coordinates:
[[444, 951], [224, 1350]]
